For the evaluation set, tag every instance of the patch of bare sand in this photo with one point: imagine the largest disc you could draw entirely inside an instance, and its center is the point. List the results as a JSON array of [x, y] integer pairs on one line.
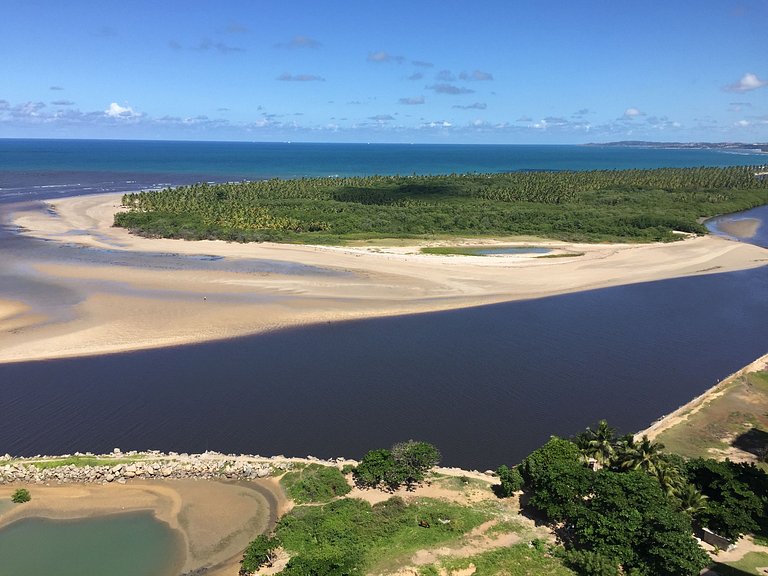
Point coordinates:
[[130, 308], [15, 316], [216, 520], [740, 227]]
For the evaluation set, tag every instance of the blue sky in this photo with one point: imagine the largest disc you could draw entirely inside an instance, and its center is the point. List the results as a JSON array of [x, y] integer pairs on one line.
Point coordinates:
[[482, 71]]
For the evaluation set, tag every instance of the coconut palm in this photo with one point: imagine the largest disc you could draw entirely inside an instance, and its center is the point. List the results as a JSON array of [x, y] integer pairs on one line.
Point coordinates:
[[597, 443], [692, 501], [644, 455]]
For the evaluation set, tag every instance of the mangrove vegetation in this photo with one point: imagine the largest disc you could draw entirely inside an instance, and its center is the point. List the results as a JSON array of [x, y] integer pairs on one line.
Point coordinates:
[[592, 206]]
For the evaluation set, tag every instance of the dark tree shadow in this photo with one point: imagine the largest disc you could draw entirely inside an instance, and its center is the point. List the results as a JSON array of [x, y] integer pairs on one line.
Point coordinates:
[[754, 441]]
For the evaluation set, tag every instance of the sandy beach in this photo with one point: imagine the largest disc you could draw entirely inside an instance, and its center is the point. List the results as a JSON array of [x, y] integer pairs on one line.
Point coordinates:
[[216, 520], [125, 307]]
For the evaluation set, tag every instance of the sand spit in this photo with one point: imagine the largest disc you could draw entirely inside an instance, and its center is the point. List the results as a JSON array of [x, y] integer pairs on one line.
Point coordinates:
[[129, 307]]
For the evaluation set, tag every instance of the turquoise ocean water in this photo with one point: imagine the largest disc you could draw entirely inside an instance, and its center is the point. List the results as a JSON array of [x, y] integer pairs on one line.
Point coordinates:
[[33, 169]]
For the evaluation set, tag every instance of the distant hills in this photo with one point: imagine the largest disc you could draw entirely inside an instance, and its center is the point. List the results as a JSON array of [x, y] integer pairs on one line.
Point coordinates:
[[685, 145]]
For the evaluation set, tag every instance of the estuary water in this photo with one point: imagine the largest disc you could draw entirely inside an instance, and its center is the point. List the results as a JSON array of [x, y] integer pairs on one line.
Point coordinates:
[[119, 545], [486, 385]]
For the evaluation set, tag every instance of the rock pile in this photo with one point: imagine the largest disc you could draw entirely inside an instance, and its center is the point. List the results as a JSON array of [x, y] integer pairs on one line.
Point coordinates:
[[89, 468]]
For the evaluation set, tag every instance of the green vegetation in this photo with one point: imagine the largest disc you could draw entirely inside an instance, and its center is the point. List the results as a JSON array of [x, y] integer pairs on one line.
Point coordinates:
[[406, 463], [20, 496], [260, 552], [81, 461], [626, 205], [517, 560], [625, 506], [752, 563], [348, 536], [315, 483], [510, 481]]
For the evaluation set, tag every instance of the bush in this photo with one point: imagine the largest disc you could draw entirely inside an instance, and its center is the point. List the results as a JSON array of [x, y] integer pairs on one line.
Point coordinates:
[[511, 481], [260, 552], [315, 483], [21, 495], [407, 463], [590, 563]]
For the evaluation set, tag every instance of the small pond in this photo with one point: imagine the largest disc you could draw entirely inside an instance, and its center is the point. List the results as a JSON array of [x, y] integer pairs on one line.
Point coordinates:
[[134, 544]]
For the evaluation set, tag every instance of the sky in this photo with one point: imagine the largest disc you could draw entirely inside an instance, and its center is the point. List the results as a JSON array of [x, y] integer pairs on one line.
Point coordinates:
[[439, 71]]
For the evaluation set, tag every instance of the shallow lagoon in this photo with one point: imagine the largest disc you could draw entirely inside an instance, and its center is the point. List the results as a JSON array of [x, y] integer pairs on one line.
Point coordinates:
[[133, 544]]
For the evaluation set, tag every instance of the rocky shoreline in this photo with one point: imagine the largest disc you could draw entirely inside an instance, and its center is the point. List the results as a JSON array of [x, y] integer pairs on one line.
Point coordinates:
[[96, 468]]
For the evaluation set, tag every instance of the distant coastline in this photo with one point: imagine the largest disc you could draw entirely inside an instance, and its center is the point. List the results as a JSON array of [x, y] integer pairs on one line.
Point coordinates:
[[726, 146]]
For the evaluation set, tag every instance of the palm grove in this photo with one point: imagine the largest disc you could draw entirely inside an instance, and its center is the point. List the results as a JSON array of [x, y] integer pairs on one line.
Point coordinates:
[[592, 206]]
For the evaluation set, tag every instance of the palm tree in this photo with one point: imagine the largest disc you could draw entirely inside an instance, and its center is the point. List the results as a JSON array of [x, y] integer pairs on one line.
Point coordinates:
[[598, 443], [644, 455], [669, 478], [692, 501]]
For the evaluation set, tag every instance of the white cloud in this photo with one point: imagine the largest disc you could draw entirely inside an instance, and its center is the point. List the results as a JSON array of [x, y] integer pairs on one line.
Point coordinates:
[[748, 82], [117, 111], [382, 56], [285, 77], [476, 75], [415, 100], [632, 113]]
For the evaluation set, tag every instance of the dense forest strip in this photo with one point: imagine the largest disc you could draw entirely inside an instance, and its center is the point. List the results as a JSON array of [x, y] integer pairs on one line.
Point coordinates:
[[591, 206]]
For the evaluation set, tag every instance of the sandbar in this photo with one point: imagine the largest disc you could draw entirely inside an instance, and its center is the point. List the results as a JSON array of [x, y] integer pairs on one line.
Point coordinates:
[[216, 520], [128, 307], [741, 227]]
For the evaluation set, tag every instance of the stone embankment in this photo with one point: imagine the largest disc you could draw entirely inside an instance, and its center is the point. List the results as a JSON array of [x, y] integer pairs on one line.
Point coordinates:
[[120, 467]]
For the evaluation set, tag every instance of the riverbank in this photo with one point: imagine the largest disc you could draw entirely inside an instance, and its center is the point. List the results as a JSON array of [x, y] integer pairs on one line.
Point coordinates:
[[727, 421], [134, 306]]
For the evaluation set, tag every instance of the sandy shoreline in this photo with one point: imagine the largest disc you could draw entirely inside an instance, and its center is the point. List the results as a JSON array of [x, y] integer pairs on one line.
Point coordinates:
[[215, 520], [122, 308]]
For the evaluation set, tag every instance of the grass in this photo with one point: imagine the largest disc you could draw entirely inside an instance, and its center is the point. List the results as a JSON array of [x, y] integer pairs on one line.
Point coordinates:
[[371, 537], [737, 418], [82, 461], [749, 564], [314, 483], [458, 483], [563, 255], [517, 560]]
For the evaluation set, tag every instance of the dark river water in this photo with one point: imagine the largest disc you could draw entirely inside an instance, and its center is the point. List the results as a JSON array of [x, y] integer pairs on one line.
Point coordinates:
[[486, 385]]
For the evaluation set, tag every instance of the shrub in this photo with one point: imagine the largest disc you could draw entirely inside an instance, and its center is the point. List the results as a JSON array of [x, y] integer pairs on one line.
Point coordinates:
[[21, 495], [315, 483], [407, 463], [511, 481], [260, 552]]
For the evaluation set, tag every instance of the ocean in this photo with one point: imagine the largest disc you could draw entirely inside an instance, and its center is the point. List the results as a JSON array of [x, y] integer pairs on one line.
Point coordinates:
[[37, 169]]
